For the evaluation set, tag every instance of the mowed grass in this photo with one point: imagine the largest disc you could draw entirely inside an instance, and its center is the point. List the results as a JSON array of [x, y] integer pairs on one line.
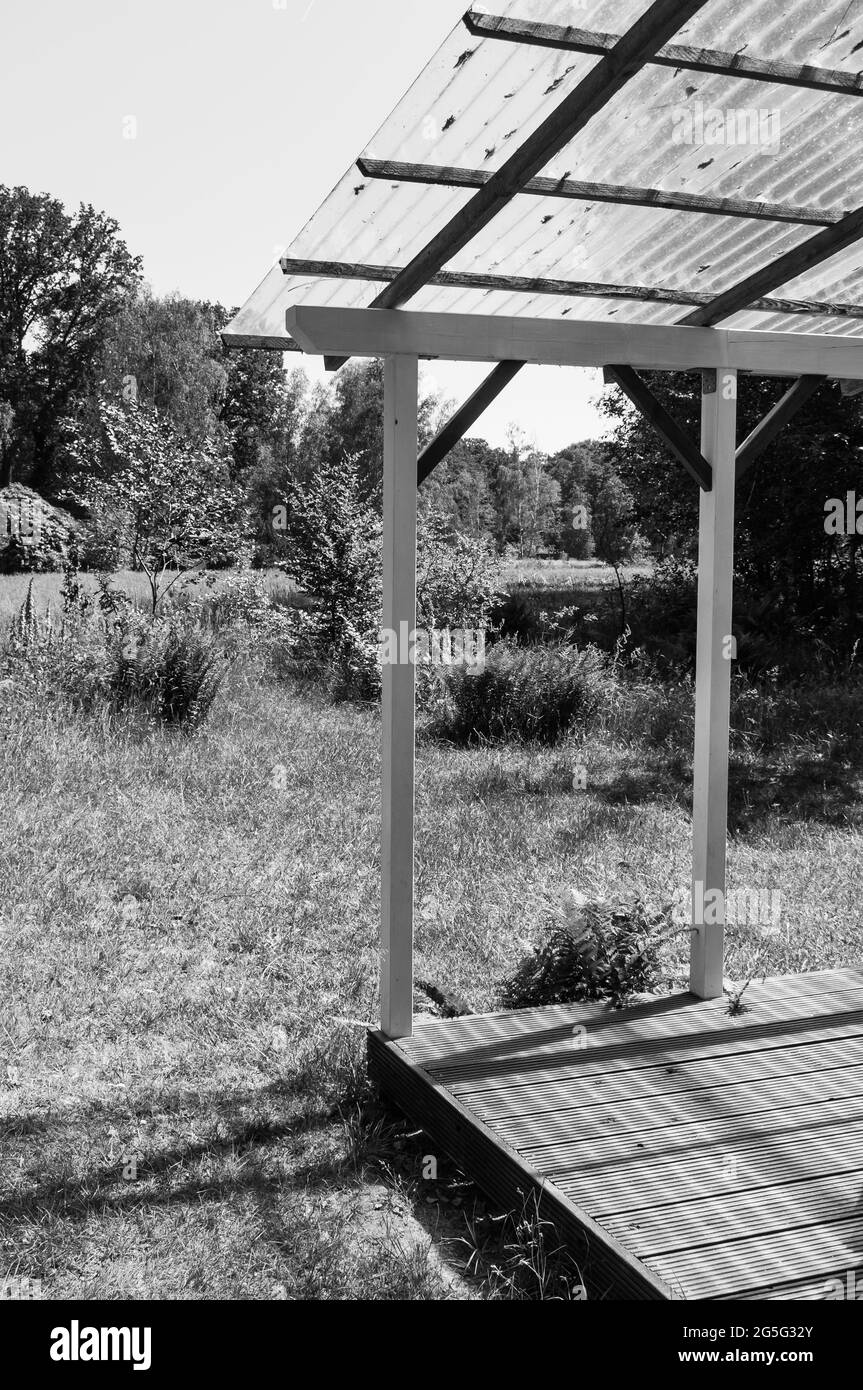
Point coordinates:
[[189, 955]]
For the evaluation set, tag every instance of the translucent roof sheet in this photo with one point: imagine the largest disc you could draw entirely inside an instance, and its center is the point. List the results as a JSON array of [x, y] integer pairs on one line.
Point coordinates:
[[676, 130]]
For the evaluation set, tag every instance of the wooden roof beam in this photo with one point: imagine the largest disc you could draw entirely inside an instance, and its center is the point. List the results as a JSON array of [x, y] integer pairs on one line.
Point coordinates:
[[578, 289], [394, 170], [489, 26], [626, 57], [804, 257]]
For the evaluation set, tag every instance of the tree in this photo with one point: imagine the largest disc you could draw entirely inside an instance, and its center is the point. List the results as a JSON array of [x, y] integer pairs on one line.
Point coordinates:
[[356, 421], [798, 588], [166, 353], [153, 498], [63, 279], [527, 499], [460, 488]]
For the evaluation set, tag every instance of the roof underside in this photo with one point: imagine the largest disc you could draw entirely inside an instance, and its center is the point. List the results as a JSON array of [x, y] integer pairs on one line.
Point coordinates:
[[670, 129]]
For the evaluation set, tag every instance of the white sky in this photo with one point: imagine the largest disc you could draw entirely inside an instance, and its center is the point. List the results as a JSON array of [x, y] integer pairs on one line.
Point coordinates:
[[247, 113]]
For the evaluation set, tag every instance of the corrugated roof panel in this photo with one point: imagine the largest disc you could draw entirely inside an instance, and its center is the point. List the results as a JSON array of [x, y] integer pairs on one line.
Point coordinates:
[[673, 129]]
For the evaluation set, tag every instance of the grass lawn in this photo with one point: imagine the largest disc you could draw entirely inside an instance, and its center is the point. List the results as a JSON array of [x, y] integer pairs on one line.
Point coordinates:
[[189, 952]]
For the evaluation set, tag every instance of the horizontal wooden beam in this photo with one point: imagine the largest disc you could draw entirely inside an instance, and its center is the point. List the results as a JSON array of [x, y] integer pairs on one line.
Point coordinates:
[[233, 341], [397, 171], [489, 26], [781, 271], [570, 342], [654, 412], [468, 414], [628, 56], [576, 289], [775, 421]]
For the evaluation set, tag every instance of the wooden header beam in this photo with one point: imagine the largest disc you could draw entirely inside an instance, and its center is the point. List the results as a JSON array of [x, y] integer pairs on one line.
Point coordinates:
[[577, 289], [571, 342], [627, 57], [489, 26], [396, 171]]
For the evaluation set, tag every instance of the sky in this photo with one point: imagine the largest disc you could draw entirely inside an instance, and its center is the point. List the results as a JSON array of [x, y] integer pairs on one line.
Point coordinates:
[[213, 129]]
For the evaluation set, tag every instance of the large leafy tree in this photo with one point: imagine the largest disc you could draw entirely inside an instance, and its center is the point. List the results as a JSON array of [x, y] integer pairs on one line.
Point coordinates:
[[793, 577], [64, 277], [154, 500], [527, 499], [165, 353]]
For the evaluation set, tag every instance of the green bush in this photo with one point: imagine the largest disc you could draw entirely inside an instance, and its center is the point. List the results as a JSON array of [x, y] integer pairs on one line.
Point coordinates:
[[603, 951], [106, 654], [529, 693]]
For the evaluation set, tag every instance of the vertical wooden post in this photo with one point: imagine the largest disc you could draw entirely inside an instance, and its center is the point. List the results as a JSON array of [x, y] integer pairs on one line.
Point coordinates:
[[399, 616], [713, 683]]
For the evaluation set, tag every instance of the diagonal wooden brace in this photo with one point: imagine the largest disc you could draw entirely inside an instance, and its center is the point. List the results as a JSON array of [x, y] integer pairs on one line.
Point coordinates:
[[666, 426]]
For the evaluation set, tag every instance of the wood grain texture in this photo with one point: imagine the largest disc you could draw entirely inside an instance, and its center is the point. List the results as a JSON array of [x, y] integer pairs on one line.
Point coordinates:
[[697, 1153]]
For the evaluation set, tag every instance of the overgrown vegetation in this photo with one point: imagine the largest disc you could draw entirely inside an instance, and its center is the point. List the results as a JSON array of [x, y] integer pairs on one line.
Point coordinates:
[[523, 694], [604, 950]]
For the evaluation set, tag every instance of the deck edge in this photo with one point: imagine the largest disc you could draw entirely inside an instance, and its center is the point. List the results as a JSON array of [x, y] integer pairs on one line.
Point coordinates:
[[500, 1172]]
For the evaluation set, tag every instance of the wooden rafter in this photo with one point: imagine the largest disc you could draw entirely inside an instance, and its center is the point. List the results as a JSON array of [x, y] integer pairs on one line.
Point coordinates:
[[627, 57], [459, 424], [662, 422], [394, 170], [488, 26], [577, 289], [766, 431], [809, 254]]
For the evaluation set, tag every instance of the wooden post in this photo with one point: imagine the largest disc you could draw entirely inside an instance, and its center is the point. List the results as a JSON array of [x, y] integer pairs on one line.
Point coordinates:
[[713, 683], [399, 617]]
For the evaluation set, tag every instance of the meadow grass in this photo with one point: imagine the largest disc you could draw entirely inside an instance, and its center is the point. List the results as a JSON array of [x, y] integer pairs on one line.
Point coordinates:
[[189, 932]]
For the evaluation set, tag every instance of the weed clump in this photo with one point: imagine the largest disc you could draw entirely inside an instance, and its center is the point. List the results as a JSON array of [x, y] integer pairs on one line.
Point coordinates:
[[603, 950]]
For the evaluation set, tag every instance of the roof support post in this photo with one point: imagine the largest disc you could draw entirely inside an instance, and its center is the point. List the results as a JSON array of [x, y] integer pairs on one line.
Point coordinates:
[[401, 394], [713, 684]]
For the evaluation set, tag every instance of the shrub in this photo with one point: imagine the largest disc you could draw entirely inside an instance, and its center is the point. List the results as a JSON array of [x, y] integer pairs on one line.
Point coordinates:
[[104, 653], [604, 950], [531, 693], [335, 554]]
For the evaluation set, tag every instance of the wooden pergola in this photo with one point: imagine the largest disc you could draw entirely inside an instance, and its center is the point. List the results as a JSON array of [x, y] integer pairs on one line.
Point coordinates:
[[761, 284]]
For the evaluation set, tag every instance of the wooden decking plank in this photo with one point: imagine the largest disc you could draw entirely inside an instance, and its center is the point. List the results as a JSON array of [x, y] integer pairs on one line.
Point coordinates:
[[579, 1066], [801, 1290], [729, 1167], [676, 1017], [501, 1173], [746, 1265], [703, 1154], [746, 1100], [664, 1079], [716, 1220], [560, 1157], [460, 1033], [737, 1038]]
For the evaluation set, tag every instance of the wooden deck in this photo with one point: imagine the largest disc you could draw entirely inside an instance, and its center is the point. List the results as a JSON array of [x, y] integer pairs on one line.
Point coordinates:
[[681, 1151]]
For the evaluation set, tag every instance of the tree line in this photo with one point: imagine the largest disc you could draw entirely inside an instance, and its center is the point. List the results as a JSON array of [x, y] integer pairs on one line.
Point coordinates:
[[85, 343]]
